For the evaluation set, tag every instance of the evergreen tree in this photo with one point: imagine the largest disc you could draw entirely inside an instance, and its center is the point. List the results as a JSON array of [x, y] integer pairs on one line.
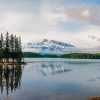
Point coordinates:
[[20, 50], [1, 47], [6, 49], [12, 47], [1, 42], [16, 48]]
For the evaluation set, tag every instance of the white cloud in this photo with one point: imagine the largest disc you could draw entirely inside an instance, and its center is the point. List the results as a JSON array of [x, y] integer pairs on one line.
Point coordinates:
[[44, 21]]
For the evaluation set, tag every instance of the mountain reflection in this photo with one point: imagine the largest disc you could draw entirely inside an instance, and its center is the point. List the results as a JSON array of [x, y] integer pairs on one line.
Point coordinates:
[[51, 68], [10, 78]]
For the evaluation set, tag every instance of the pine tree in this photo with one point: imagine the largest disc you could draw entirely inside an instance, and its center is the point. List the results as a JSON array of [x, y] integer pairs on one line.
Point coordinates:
[[6, 49], [16, 48], [20, 47], [20, 50], [12, 47], [1, 47], [1, 42]]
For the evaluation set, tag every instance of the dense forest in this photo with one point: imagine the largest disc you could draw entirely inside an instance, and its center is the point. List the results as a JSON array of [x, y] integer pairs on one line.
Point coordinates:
[[71, 55], [10, 48], [82, 56]]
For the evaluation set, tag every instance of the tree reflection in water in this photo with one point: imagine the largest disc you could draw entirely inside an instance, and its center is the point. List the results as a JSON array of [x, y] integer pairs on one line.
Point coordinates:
[[10, 77]]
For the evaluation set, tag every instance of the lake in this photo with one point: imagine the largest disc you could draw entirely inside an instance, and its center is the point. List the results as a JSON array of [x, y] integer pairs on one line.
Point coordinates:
[[50, 79]]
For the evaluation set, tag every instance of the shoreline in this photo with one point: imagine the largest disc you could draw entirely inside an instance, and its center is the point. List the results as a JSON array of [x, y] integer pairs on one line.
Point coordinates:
[[12, 63]]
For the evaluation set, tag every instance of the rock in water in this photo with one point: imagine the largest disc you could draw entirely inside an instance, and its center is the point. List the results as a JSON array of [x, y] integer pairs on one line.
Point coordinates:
[[94, 98]]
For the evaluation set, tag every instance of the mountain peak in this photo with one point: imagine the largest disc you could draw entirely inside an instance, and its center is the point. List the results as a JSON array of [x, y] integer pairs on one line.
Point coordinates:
[[45, 40], [50, 47]]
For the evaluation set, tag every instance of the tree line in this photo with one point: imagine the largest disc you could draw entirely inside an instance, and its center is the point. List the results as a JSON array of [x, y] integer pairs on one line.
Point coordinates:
[[10, 48], [71, 55], [82, 56]]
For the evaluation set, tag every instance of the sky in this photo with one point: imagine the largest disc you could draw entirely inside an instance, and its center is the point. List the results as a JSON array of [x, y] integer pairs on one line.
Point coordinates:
[[72, 21]]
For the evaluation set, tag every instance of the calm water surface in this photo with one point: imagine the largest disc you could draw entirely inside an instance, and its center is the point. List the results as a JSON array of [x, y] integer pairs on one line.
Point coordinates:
[[51, 79]]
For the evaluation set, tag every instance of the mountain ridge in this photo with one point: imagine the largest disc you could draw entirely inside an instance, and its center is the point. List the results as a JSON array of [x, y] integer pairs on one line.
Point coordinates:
[[49, 47]]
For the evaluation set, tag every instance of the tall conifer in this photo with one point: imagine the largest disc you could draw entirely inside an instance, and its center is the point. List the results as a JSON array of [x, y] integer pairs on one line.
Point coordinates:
[[6, 49], [12, 47], [1, 47]]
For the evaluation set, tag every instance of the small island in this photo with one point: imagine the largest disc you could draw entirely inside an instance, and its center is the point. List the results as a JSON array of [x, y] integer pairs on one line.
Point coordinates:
[[10, 50]]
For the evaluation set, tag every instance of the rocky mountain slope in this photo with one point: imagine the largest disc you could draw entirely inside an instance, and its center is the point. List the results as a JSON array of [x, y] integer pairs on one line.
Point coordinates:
[[49, 47]]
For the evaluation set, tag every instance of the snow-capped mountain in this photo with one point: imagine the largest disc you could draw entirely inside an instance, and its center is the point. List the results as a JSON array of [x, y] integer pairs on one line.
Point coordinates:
[[49, 47]]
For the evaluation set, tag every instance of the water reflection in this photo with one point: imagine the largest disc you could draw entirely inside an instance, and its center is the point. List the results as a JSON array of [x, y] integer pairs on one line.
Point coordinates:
[[10, 78], [50, 80], [51, 68]]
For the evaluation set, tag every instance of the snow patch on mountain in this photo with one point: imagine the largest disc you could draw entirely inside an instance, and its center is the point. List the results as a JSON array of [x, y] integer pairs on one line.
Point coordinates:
[[49, 47]]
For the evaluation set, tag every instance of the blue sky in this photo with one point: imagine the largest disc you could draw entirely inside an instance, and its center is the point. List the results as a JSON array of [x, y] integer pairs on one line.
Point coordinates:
[[77, 2], [70, 21]]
